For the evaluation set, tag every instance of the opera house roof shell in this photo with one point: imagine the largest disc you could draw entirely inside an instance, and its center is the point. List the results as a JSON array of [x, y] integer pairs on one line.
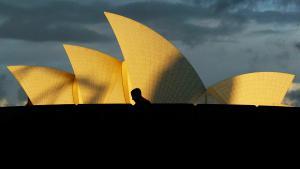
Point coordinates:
[[152, 64], [259, 88]]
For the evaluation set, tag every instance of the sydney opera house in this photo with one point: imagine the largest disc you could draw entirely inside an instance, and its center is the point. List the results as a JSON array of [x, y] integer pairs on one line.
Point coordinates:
[[150, 63]]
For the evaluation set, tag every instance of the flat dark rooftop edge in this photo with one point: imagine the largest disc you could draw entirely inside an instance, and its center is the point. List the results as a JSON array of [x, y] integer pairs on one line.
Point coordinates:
[[154, 112]]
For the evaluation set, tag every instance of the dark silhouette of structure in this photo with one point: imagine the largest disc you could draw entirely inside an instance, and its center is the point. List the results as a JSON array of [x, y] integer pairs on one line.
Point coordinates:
[[140, 101], [153, 112], [29, 103]]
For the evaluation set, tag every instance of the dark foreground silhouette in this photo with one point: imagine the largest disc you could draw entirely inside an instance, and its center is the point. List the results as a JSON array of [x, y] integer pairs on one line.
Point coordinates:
[[140, 101], [153, 112]]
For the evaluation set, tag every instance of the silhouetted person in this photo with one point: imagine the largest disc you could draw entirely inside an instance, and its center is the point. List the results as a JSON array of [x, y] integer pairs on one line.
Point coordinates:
[[140, 101]]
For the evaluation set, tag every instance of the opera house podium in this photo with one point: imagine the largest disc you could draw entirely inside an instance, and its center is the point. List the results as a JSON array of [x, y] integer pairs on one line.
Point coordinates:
[[155, 112]]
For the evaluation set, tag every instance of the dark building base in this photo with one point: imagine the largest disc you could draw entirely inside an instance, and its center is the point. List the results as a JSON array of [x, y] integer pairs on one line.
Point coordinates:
[[155, 112]]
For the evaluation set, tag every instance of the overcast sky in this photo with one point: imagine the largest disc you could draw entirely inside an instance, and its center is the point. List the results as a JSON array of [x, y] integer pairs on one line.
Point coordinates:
[[221, 38]]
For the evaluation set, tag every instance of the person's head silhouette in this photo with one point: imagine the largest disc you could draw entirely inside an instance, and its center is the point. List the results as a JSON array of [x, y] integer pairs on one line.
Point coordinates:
[[136, 95]]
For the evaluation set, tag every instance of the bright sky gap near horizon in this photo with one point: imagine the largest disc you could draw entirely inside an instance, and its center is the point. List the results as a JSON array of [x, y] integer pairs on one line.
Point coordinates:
[[220, 38]]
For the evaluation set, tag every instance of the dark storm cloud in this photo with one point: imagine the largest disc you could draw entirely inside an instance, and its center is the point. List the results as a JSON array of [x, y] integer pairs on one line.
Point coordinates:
[[220, 6], [297, 45], [68, 20], [53, 21], [20, 29], [266, 32], [293, 98], [259, 10], [178, 21], [57, 11]]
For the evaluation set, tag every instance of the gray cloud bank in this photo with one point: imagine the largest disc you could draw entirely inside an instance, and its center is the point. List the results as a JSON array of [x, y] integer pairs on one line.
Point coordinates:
[[51, 21], [66, 20], [293, 96]]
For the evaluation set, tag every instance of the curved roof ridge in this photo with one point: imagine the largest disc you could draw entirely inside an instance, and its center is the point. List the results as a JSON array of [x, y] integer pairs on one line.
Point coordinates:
[[41, 91], [154, 64], [98, 75], [249, 73], [65, 45], [257, 88]]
